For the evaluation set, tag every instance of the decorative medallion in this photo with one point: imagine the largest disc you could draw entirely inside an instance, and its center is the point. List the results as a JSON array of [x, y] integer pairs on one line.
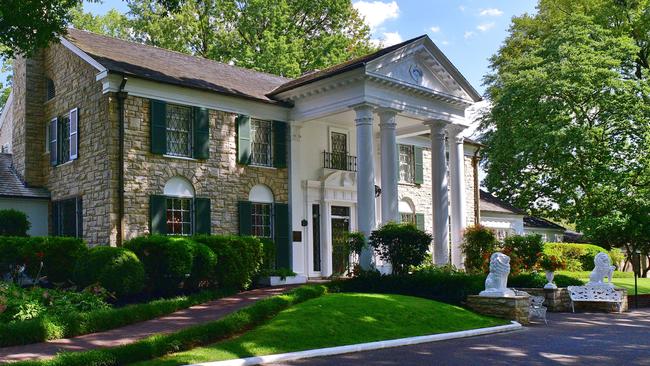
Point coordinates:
[[416, 74]]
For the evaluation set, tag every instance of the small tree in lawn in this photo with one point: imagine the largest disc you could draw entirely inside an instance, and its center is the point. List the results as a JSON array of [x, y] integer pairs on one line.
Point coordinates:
[[403, 245]]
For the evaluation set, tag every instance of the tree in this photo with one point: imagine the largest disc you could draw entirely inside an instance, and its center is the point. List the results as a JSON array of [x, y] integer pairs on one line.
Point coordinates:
[[568, 133]]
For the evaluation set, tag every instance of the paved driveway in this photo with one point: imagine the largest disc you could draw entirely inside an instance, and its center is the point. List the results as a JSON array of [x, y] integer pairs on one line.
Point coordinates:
[[570, 339]]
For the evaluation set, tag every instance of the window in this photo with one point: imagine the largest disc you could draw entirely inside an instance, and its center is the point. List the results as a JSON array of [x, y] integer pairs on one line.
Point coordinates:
[[179, 130], [178, 211], [406, 212], [339, 146], [261, 220], [49, 86], [261, 142], [179, 216], [63, 138], [406, 163], [67, 217]]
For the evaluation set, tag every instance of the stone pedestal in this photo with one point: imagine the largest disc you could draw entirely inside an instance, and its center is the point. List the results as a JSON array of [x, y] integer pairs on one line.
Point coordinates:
[[511, 308]]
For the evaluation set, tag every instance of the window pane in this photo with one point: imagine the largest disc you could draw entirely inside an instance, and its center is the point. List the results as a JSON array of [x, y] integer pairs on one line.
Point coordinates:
[[179, 130], [261, 220], [179, 216], [406, 163], [67, 218], [64, 139], [261, 142]]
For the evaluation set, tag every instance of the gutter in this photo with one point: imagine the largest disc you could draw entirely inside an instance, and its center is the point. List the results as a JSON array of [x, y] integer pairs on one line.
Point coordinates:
[[477, 189], [121, 96]]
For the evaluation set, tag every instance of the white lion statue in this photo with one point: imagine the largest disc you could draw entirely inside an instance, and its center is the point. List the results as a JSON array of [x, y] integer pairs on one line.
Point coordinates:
[[602, 268], [496, 283]]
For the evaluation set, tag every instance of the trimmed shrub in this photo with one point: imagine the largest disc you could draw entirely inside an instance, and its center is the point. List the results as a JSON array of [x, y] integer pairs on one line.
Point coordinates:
[[403, 245], [478, 244], [116, 269], [167, 261], [240, 258], [536, 280], [13, 223], [523, 250], [577, 257], [204, 263]]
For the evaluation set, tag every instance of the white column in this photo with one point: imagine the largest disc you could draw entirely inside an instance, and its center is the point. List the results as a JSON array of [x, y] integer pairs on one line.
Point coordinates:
[[439, 193], [457, 177], [389, 165], [365, 177]]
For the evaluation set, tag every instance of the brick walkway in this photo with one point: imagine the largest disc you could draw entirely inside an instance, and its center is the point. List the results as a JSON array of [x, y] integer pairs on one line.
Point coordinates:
[[175, 321]]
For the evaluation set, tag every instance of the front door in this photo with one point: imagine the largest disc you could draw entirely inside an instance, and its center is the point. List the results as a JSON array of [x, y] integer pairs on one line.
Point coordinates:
[[340, 251]]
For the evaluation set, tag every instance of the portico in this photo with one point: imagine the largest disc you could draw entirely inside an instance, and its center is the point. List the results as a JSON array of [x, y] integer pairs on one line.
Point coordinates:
[[408, 93]]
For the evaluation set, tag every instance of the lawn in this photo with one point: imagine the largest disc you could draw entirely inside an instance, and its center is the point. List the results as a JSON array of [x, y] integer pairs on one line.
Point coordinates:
[[337, 320], [621, 279]]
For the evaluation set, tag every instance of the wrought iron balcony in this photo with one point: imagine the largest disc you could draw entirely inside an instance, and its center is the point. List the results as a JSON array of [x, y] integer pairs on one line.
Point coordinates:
[[339, 161]]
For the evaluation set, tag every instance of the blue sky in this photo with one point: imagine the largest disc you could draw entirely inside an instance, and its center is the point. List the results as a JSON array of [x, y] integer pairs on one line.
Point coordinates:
[[467, 31]]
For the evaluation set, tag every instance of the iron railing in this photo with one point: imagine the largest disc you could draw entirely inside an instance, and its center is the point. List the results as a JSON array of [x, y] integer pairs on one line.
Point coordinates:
[[339, 161]]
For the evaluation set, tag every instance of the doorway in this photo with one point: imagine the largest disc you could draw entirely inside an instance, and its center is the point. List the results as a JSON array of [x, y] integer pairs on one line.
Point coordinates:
[[340, 218]]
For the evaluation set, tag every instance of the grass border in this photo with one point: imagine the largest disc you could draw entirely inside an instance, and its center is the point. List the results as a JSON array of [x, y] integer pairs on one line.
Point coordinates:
[[69, 325], [191, 337]]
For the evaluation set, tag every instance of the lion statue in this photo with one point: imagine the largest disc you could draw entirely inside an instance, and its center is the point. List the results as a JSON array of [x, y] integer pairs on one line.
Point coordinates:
[[602, 268], [496, 283]]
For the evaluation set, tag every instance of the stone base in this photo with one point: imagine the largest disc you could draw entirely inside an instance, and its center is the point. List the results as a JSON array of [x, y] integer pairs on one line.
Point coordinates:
[[558, 301], [511, 308]]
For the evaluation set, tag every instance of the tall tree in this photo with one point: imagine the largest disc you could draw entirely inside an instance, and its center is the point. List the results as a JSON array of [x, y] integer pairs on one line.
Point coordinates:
[[568, 133]]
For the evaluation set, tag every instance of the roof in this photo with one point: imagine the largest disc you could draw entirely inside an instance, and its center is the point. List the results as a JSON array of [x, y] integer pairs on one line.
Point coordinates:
[[538, 222], [158, 64], [493, 204], [340, 68], [12, 186]]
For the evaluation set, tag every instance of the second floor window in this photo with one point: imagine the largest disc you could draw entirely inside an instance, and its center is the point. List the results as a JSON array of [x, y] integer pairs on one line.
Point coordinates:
[[179, 130], [406, 164], [63, 138], [261, 142]]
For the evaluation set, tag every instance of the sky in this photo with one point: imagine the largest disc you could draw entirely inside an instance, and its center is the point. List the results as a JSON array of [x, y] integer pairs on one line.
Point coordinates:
[[467, 31]]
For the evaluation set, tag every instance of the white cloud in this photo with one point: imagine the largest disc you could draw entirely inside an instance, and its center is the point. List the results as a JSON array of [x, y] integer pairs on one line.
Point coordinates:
[[484, 27], [491, 12], [462, 8], [376, 13], [443, 42], [387, 39], [435, 29], [468, 34]]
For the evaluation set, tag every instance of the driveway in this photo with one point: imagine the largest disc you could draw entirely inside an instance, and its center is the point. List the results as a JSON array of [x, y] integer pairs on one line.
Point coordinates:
[[569, 339]]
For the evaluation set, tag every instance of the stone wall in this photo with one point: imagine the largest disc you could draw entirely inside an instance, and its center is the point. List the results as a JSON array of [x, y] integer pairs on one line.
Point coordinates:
[[511, 308], [6, 124], [219, 178], [558, 300]]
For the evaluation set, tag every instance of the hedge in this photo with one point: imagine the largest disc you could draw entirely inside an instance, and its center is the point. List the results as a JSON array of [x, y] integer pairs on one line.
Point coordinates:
[[577, 257], [13, 223], [116, 269], [74, 324], [191, 337]]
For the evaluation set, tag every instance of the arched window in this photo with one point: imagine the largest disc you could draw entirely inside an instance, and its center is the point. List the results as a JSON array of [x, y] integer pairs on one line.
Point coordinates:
[[406, 211], [261, 198], [179, 195], [50, 89]]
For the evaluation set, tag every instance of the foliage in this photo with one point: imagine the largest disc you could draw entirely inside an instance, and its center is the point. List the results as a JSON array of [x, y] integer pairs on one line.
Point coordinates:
[[19, 304], [568, 129], [551, 263], [204, 263], [270, 252], [77, 323], [210, 332], [478, 242], [403, 245], [349, 319], [116, 269], [167, 261], [240, 258], [276, 36], [283, 273], [13, 222], [538, 280], [576, 257], [523, 251]]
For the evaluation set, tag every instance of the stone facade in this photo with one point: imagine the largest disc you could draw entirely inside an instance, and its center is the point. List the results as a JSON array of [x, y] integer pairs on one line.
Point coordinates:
[[511, 308], [6, 125], [219, 178]]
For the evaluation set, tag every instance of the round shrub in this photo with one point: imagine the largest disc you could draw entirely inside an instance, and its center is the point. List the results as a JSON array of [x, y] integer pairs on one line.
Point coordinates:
[[13, 223], [478, 242], [204, 262], [116, 269], [60, 255], [167, 261], [403, 245]]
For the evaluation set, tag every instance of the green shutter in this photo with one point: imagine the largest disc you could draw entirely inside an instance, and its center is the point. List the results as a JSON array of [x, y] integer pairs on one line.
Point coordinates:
[[280, 151], [80, 218], [201, 133], [54, 147], [281, 235], [243, 139], [419, 165], [158, 117], [419, 221], [202, 214], [55, 218], [245, 213], [158, 214]]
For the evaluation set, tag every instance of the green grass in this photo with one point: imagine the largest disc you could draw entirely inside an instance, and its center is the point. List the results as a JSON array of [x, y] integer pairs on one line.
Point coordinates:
[[621, 279], [336, 320]]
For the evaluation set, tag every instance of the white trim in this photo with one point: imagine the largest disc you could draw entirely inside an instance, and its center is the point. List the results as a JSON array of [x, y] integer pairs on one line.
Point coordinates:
[[74, 133], [84, 56], [331, 351]]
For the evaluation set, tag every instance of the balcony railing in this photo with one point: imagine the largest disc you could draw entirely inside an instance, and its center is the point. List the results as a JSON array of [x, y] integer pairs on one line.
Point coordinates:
[[339, 161]]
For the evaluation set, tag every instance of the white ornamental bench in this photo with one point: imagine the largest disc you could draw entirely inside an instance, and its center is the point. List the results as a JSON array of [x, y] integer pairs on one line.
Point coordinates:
[[594, 294]]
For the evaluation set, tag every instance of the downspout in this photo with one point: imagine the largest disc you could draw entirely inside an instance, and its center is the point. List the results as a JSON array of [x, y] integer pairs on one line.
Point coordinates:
[[121, 96], [477, 189]]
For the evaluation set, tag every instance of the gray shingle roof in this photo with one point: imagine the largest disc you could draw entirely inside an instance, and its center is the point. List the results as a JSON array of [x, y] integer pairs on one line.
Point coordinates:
[[493, 204], [157, 64], [532, 221], [12, 186]]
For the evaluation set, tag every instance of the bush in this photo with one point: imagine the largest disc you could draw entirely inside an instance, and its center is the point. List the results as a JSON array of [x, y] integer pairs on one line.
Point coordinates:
[[204, 263], [523, 250], [13, 223], [116, 269], [403, 245], [167, 261], [577, 257], [240, 258], [537, 280], [269, 250], [478, 242]]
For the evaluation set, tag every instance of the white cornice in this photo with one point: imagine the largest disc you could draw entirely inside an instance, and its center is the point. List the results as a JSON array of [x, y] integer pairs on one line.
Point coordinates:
[[417, 90]]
